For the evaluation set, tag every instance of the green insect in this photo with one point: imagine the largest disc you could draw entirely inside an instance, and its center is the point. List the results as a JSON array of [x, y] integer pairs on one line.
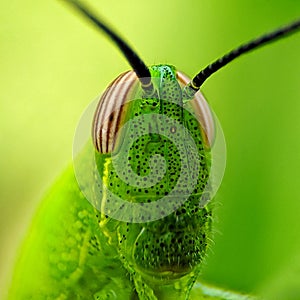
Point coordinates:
[[132, 219]]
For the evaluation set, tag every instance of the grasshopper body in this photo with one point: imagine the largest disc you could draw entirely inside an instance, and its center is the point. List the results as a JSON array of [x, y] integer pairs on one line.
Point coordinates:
[[73, 250]]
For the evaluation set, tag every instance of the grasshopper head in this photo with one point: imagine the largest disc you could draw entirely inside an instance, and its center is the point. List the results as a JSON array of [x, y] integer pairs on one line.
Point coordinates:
[[153, 152]]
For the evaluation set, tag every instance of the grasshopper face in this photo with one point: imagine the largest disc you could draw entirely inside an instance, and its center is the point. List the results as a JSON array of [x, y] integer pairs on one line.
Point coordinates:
[[153, 152]]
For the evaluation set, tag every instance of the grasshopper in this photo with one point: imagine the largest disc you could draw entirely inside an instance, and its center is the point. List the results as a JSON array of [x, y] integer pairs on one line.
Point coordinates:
[[132, 219]]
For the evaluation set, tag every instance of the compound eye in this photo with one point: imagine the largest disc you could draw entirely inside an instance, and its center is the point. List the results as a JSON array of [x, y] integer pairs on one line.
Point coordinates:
[[200, 108], [111, 112]]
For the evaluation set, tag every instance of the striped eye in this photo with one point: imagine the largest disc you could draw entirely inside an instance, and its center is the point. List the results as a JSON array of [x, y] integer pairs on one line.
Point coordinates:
[[110, 114], [200, 108], [112, 110]]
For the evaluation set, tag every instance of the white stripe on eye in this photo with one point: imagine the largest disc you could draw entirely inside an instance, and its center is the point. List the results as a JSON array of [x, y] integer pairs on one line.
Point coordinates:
[[111, 105]]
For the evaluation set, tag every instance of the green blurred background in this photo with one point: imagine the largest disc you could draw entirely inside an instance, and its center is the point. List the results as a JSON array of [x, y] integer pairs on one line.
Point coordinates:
[[52, 64]]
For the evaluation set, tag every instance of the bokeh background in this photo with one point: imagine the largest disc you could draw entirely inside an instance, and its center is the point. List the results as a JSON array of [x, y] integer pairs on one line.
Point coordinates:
[[52, 64]]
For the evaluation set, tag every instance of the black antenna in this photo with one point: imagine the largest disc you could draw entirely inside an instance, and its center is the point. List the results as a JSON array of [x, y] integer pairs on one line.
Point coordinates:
[[192, 87], [139, 67]]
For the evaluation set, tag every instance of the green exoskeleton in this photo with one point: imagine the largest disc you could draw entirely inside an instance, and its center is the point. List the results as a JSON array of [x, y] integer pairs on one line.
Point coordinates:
[[132, 218]]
